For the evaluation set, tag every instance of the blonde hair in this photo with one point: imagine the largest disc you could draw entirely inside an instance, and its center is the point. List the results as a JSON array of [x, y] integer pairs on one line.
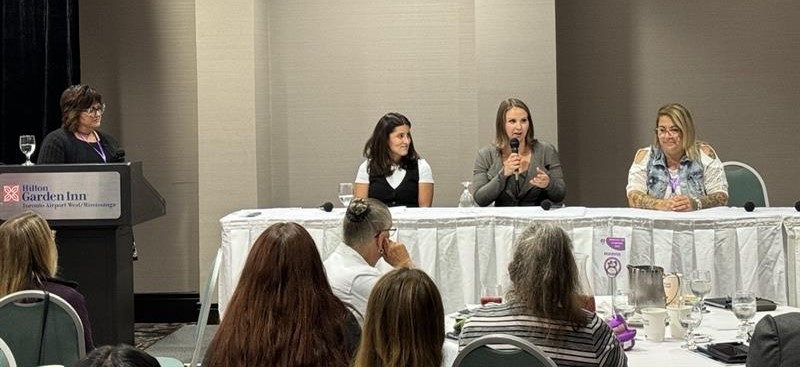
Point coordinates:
[[681, 117], [28, 252], [403, 322]]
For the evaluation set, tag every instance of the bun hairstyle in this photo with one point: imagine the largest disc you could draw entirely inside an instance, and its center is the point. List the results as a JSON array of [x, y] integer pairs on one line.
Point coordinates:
[[364, 218], [358, 210]]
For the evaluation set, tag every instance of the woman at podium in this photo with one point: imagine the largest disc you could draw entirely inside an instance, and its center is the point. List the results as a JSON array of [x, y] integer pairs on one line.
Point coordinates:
[[79, 140]]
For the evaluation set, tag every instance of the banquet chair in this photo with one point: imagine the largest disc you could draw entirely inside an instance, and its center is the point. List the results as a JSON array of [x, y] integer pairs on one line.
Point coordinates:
[[745, 184], [480, 353], [41, 328], [6, 357], [205, 307]]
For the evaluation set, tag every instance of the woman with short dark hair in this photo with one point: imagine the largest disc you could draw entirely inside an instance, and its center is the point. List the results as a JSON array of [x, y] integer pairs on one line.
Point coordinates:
[[79, 140], [117, 356]]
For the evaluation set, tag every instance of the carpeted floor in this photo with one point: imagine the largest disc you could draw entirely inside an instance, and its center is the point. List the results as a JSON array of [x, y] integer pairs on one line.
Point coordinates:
[[147, 334], [178, 344]]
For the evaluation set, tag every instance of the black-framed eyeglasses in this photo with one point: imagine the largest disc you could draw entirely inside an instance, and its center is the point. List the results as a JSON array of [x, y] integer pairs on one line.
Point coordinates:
[[390, 230], [94, 110]]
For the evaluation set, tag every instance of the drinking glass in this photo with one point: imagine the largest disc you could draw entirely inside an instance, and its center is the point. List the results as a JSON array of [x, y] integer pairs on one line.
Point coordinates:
[[690, 320], [622, 304], [491, 294], [744, 307], [27, 144], [345, 193], [700, 284], [466, 200]]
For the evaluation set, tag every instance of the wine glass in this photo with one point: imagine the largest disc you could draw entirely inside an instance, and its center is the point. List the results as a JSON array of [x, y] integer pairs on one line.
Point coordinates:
[[466, 200], [491, 294], [690, 320], [27, 144], [345, 193], [700, 284], [744, 307]]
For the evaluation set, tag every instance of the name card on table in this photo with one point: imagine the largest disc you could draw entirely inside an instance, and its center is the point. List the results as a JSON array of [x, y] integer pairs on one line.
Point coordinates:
[[61, 195]]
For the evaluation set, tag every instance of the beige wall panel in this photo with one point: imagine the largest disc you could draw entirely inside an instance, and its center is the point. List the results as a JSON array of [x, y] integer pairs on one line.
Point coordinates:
[[141, 57]]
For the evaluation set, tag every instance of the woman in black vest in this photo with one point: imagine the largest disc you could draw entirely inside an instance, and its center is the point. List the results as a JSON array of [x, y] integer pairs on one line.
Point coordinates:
[[393, 172]]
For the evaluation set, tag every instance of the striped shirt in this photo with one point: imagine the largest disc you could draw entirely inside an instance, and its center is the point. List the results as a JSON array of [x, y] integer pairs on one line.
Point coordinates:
[[591, 345]]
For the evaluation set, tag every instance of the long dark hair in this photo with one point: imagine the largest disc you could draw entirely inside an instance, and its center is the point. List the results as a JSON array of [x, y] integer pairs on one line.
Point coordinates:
[[377, 147], [403, 324], [283, 312]]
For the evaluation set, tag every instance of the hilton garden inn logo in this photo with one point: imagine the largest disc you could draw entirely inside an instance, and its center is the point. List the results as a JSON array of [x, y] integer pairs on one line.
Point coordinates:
[[11, 193]]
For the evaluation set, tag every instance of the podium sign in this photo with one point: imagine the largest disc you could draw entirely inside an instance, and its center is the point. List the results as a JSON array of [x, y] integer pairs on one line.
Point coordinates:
[[62, 195], [92, 208]]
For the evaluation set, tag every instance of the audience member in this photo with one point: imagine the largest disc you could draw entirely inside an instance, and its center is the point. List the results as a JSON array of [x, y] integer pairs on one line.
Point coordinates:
[[117, 356], [351, 270], [403, 326], [29, 260], [543, 305], [676, 173], [283, 312], [393, 172], [527, 174]]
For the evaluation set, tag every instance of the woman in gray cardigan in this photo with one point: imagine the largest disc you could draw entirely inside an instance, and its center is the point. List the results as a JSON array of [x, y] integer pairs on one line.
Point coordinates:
[[517, 169]]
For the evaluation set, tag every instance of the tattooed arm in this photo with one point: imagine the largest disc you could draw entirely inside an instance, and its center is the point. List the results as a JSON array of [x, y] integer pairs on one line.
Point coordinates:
[[713, 199], [638, 199]]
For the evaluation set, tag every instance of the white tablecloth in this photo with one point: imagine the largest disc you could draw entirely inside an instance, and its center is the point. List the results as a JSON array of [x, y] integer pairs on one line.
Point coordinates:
[[464, 248], [719, 324]]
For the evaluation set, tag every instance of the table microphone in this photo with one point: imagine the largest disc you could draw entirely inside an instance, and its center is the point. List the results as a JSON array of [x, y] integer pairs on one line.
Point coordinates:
[[547, 205], [327, 206], [514, 144], [797, 206], [749, 206]]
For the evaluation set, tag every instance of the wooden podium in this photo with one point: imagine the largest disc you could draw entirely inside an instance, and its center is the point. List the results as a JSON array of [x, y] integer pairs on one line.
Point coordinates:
[[92, 208]]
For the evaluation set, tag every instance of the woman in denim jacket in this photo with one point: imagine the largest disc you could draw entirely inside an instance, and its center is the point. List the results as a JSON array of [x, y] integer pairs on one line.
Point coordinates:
[[676, 173]]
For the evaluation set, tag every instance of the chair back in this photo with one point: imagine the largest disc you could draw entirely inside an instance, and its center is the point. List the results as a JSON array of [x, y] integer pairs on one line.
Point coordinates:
[[205, 307], [745, 184], [776, 341], [6, 357], [41, 328], [480, 352]]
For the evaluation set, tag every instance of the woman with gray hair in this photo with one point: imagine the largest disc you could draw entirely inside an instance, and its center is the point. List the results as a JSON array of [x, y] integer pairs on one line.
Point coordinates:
[[544, 305], [351, 270]]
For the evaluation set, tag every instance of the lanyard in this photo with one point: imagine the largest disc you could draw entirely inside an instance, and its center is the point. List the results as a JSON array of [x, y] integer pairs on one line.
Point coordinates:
[[100, 151]]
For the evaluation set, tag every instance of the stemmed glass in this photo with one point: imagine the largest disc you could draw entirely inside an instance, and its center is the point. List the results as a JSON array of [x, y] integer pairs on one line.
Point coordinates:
[[690, 320], [700, 284], [27, 144], [744, 307], [622, 305], [466, 200], [345, 193]]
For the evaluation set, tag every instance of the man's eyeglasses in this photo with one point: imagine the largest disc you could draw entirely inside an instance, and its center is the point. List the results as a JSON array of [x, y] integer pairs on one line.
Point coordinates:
[[673, 131], [97, 109], [390, 230]]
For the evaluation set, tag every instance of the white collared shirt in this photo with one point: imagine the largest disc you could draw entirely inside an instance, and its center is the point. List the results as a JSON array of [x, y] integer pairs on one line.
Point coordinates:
[[351, 277]]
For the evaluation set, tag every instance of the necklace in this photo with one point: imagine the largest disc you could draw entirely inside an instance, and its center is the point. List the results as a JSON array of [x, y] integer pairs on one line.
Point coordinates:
[[85, 138]]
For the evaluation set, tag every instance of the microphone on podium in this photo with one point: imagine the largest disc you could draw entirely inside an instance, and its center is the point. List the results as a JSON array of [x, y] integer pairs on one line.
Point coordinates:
[[514, 144], [797, 206], [327, 206], [749, 206]]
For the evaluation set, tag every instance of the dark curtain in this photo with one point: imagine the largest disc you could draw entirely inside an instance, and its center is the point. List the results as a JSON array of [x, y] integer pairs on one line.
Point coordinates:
[[41, 58]]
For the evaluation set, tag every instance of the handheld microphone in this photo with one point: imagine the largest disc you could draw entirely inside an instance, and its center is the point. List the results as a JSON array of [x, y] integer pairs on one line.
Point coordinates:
[[514, 144], [547, 205], [797, 206], [749, 206], [327, 206], [119, 155]]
